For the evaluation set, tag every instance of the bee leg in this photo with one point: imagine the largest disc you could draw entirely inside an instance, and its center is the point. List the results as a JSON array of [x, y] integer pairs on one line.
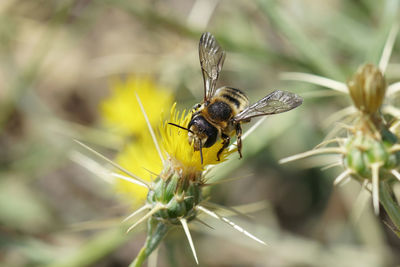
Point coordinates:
[[239, 139], [225, 143], [201, 152]]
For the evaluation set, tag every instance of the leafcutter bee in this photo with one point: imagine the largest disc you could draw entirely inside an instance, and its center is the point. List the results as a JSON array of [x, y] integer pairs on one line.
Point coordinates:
[[223, 110]]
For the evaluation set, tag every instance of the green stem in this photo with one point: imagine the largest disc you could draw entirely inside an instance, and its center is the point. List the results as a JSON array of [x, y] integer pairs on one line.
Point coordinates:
[[140, 258], [390, 205], [156, 232]]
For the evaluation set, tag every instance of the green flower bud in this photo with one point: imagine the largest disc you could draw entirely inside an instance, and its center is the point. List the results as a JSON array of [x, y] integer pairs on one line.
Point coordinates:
[[355, 161], [179, 195], [367, 88], [364, 150]]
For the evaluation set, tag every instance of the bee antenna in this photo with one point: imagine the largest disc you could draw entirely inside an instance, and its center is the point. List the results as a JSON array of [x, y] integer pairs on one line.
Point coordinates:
[[181, 127], [201, 152]]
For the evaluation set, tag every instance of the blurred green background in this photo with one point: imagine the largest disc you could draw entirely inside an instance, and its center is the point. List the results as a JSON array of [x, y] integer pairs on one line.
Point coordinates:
[[56, 62]]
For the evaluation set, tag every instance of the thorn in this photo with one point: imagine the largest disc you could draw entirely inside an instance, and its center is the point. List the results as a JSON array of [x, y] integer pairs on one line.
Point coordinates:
[[375, 186], [128, 179], [360, 202], [227, 180], [338, 129], [253, 207], [152, 173], [327, 150], [189, 237], [315, 79], [319, 94], [145, 217], [230, 223], [136, 212], [339, 116], [326, 142], [394, 148], [346, 181], [395, 174], [204, 223], [393, 88], [342, 176], [91, 165], [229, 209], [391, 110], [113, 163], [387, 50], [350, 128], [188, 197], [150, 128], [332, 165]]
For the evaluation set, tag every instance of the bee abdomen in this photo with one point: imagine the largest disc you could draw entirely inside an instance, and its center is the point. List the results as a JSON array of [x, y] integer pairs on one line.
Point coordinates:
[[232, 100], [236, 98]]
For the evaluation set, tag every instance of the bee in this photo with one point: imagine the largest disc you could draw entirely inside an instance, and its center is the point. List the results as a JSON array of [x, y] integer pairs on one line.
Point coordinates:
[[223, 110]]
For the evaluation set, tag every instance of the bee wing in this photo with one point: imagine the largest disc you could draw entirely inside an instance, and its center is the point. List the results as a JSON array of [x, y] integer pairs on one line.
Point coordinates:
[[275, 102], [212, 58]]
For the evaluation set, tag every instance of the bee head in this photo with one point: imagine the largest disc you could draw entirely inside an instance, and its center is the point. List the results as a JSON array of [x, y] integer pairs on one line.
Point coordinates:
[[196, 137], [201, 132]]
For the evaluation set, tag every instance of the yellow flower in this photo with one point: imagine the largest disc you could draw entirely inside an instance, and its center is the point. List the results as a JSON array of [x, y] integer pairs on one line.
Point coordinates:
[[122, 112]]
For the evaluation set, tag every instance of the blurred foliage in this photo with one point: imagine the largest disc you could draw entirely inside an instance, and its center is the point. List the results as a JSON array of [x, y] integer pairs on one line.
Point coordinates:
[[56, 62]]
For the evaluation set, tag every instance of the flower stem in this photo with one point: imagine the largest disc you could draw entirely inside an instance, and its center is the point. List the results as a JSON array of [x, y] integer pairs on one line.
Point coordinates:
[[140, 258], [156, 232], [390, 205]]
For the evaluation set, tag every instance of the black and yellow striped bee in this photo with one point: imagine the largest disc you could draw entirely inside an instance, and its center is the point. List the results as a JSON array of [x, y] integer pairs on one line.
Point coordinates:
[[223, 110]]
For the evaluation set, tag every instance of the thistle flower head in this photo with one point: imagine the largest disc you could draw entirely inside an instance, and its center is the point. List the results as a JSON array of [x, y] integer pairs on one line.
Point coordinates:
[[367, 88], [174, 192]]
